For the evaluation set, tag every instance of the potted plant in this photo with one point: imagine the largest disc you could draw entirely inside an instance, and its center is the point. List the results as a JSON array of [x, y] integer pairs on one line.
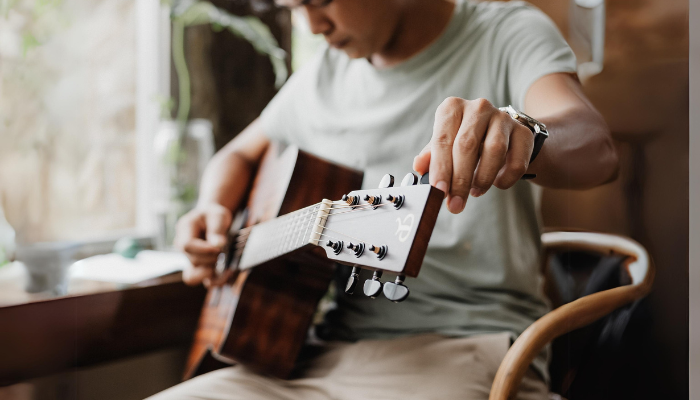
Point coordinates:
[[184, 146]]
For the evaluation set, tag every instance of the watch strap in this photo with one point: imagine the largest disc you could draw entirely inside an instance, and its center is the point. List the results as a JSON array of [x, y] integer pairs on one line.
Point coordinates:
[[539, 141], [538, 129]]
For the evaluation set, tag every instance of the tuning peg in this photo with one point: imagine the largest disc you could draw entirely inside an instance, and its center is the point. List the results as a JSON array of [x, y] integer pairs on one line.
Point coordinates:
[[336, 246], [387, 181], [425, 179], [352, 280], [397, 201], [409, 180], [380, 251], [358, 249], [396, 291], [373, 200], [373, 286], [351, 200]]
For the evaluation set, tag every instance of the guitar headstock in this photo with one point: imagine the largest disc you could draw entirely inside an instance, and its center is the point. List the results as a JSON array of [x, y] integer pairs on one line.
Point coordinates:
[[384, 229]]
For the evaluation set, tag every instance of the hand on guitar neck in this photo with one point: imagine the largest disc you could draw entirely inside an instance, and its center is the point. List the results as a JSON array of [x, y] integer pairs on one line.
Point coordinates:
[[304, 216], [202, 234]]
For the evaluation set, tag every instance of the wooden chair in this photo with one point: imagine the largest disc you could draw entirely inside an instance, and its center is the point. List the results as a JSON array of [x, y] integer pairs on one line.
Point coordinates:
[[578, 313]]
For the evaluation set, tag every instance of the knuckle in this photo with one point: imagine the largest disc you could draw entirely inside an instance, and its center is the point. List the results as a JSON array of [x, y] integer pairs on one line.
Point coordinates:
[[496, 146], [523, 131], [216, 212], [482, 104], [460, 185], [520, 169], [501, 184], [452, 102], [482, 182], [467, 143], [442, 139], [449, 107], [511, 175]]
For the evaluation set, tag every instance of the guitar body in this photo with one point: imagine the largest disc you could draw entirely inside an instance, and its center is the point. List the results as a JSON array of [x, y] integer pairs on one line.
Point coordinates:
[[262, 319]]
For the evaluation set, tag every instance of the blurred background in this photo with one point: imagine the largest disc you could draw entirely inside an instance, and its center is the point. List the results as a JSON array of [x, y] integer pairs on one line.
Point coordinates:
[[103, 135]]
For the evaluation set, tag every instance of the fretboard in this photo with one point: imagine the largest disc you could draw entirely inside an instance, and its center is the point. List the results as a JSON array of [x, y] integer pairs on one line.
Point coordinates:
[[284, 234]]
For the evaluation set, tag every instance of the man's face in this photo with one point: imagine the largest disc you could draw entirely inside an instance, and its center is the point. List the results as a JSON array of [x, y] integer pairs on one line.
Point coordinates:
[[358, 27]]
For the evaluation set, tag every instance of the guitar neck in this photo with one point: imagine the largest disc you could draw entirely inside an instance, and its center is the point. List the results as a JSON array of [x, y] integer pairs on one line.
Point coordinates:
[[283, 235]]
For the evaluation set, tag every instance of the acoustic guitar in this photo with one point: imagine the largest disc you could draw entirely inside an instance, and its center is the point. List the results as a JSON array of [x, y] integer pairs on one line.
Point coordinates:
[[281, 261]]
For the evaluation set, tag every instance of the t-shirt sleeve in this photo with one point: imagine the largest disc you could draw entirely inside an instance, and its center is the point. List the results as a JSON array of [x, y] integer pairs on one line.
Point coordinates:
[[534, 48]]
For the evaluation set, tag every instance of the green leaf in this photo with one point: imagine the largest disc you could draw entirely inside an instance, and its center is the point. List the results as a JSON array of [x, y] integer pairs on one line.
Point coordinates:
[[29, 41], [190, 13]]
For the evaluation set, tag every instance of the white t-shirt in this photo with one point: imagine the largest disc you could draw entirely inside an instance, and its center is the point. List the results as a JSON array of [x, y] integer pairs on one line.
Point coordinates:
[[481, 273]]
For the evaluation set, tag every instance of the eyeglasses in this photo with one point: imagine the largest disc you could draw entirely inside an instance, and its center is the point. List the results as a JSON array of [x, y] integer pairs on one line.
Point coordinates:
[[298, 3]]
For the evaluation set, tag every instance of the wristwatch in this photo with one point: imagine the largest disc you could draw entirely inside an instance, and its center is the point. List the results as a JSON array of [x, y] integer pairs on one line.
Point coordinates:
[[539, 130]]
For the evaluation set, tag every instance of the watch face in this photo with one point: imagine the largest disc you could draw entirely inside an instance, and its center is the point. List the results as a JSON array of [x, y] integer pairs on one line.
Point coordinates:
[[535, 124]]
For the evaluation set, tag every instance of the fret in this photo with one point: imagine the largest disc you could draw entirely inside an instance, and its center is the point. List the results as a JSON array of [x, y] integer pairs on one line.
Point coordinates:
[[284, 234]]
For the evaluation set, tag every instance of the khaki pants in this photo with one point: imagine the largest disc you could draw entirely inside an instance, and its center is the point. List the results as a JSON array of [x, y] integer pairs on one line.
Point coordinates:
[[418, 367]]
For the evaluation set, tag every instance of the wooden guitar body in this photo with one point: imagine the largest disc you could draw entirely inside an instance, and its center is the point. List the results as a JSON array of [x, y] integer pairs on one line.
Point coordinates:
[[262, 319]]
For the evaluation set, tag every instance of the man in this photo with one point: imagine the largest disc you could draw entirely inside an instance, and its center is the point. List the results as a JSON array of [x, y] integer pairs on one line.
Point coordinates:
[[397, 75]]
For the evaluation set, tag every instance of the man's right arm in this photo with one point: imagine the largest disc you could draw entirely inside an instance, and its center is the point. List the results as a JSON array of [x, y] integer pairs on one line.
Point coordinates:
[[201, 233]]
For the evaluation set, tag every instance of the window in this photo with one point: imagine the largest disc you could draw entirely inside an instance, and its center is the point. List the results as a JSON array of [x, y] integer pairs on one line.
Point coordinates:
[[79, 89]]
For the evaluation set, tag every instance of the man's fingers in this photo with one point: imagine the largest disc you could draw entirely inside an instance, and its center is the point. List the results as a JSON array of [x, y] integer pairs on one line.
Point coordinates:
[[200, 247], [218, 221], [200, 252], [493, 155], [448, 118], [196, 274], [421, 163], [465, 153], [518, 158], [188, 227]]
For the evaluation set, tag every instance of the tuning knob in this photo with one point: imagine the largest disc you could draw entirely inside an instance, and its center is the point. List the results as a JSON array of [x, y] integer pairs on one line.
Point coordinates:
[[409, 180], [373, 200], [373, 287], [387, 181], [397, 201], [396, 291], [425, 179], [352, 280], [358, 249], [336, 246], [380, 251], [351, 200]]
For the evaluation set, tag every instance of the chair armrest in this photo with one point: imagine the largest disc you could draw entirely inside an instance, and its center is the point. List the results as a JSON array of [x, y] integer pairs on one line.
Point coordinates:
[[578, 313]]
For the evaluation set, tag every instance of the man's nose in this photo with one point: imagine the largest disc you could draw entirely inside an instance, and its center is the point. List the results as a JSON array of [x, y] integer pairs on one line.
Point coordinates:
[[318, 20]]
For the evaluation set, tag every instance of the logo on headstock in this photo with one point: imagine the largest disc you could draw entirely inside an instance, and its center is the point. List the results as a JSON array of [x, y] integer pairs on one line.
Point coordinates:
[[404, 229]]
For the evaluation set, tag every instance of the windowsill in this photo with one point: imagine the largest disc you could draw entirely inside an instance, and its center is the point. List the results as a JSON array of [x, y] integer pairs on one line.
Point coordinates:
[[14, 277]]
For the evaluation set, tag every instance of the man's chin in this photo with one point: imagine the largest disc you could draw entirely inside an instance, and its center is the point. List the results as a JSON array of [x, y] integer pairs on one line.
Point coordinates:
[[354, 53]]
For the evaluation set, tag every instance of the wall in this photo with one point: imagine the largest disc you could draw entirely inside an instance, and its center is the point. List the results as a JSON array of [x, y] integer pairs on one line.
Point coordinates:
[[643, 94]]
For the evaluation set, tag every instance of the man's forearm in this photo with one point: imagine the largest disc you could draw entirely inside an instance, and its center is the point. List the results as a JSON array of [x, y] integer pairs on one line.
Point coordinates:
[[229, 172], [578, 154], [225, 180]]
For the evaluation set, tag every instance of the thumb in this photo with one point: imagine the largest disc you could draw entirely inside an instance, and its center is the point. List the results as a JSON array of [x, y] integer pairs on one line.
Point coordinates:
[[421, 163], [218, 223]]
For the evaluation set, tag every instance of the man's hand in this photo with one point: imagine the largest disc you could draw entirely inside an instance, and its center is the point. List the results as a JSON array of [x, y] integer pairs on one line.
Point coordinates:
[[474, 146], [201, 235]]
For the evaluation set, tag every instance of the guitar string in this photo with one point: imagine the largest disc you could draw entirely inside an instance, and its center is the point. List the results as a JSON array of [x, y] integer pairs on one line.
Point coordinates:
[[358, 208], [246, 231], [352, 208], [241, 243]]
